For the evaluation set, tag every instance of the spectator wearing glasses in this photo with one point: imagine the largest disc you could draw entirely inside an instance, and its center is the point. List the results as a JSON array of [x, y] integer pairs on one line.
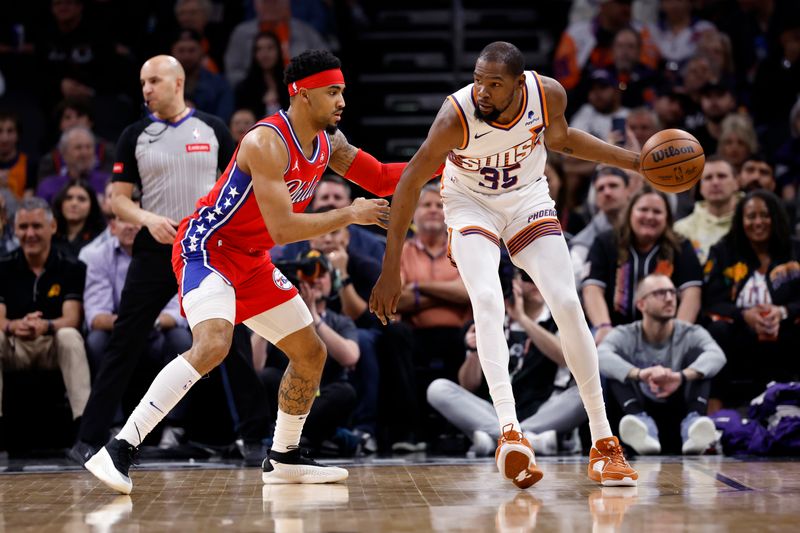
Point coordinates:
[[659, 370]]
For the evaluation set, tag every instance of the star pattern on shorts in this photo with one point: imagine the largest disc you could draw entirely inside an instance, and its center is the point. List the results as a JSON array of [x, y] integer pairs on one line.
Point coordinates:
[[227, 202], [193, 239], [200, 229], [192, 247], [233, 192], [211, 217]]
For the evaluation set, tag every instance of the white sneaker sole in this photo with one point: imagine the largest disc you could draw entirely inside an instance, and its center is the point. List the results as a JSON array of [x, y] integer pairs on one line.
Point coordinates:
[[633, 432], [513, 459], [624, 482], [284, 474], [702, 434], [102, 467]]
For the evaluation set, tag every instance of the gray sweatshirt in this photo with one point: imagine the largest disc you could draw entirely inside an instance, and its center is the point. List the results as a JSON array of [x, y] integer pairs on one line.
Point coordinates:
[[690, 346]]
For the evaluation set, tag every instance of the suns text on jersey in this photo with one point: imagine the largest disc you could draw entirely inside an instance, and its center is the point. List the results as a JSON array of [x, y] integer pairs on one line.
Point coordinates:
[[506, 158]]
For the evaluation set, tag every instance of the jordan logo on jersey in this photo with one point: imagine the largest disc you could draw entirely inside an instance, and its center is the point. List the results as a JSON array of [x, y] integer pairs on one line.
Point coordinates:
[[506, 158]]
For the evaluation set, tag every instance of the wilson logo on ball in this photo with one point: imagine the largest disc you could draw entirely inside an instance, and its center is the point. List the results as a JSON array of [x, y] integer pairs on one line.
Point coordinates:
[[671, 151]]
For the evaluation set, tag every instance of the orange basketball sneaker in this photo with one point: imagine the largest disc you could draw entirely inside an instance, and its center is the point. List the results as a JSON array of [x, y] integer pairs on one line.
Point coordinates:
[[515, 458], [607, 465]]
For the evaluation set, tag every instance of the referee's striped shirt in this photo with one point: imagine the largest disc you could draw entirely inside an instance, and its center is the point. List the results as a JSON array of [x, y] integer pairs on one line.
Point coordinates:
[[174, 164]]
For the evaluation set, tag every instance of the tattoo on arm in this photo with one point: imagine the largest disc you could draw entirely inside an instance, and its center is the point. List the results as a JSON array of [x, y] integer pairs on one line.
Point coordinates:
[[342, 153], [296, 393]]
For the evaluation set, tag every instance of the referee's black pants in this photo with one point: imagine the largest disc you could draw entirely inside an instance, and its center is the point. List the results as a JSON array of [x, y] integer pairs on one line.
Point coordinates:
[[149, 286]]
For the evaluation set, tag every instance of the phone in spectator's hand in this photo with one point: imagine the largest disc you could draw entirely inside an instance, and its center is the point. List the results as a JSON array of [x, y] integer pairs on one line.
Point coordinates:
[[618, 126]]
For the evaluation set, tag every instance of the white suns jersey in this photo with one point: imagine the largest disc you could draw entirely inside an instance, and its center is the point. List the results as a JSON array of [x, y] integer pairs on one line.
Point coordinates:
[[496, 158]]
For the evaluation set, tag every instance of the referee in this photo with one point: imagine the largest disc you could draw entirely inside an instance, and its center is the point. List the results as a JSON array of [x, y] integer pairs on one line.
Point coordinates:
[[174, 155]]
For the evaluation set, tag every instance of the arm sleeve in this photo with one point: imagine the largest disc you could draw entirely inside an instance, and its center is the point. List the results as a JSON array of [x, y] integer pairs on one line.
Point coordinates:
[[711, 358], [370, 174], [612, 354], [125, 166]]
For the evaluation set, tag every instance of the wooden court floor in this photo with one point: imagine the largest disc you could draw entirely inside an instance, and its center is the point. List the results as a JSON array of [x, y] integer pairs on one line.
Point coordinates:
[[708, 494]]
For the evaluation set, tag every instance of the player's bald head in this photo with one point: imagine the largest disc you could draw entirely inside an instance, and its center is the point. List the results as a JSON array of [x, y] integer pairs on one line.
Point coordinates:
[[164, 66]]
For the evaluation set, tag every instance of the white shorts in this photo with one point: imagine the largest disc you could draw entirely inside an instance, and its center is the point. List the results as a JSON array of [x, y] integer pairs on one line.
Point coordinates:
[[214, 298], [517, 217]]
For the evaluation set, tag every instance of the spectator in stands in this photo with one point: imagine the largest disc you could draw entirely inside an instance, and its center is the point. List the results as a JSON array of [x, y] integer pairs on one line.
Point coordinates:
[[274, 16], [752, 297], [195, 15], [659, 370], [547, 399], [107, 265], [787, 158], [711, 218], [644, 243], [70, 113], [643, 123], [758, 173], [717, 101], [588, 43], [670, 107], [604, 105], [737, 140], [78, 148], [241, 122], [208, 91], [612, 193], [696, 74], [747, 24], [636, 81], [8, 243], [263, 91], [16, 167], [336, 397], [677, 32], [78, 217], [40, 305], [716, 46]]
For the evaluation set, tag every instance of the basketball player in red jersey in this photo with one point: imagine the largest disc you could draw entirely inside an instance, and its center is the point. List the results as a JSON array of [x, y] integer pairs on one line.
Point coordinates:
[[491, 133], [225, 275]]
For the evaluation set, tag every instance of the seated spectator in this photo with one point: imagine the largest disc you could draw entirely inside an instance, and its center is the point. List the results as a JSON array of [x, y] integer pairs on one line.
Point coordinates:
[[241, 122], [71, 113], [711, 218], [40, 305], [78, 148], [644, 243], [612, 193], [8, 242], [677, 32], [717, 47], [274, 16], [717, 101], [543, 407], [17, 172], [671, 106], [336, 398], [263, 91], [659, 370], [737, 140], [787, 159], [588, 43], [696, 74], [107, 265], [603, 106], [208, 91], [195, 15], [78, 217], [644, 123], [635, 80], [752, 297]]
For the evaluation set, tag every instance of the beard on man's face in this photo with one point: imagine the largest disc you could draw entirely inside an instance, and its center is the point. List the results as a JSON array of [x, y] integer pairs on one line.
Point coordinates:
[[487, 117], [331, 129]]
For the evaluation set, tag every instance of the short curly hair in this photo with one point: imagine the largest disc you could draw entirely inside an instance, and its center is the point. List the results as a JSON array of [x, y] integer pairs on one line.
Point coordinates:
[[308, 63]]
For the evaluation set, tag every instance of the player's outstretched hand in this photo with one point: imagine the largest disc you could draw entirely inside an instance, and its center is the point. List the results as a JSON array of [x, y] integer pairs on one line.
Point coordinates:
[[375, 211], [384, 297]]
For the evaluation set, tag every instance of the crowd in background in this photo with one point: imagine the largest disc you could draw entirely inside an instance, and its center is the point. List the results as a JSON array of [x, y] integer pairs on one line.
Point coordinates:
[[725, 254]]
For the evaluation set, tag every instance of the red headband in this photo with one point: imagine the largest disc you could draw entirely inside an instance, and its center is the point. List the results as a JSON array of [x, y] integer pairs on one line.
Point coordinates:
[[333, 76]]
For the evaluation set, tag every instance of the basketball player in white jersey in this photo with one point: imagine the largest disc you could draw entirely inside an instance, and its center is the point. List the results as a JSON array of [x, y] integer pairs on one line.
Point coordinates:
[[492, 135]]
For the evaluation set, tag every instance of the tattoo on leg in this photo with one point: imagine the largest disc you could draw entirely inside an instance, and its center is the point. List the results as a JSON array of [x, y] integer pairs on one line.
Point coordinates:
[[296, 393]]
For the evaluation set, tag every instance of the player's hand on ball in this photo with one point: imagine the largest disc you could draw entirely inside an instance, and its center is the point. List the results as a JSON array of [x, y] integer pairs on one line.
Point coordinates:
[[374, 211], [384, 297]]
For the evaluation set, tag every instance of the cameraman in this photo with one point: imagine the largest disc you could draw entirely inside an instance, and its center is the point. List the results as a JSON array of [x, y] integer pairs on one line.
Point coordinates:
[[336, 398]]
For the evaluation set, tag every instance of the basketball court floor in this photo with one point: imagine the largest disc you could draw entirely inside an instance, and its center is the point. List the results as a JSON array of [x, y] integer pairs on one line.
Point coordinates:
[[417, 494]]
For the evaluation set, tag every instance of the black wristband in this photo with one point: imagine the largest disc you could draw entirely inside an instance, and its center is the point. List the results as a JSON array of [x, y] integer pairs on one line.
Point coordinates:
[[683, 378], [346, 282], [50, 328]]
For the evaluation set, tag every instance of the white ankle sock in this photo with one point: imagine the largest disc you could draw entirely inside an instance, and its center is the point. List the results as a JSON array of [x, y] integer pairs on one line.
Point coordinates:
[[170, 385], [287, 431]]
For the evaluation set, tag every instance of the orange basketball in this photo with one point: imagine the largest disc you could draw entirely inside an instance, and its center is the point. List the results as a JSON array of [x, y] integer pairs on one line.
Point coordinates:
[[672, 160]]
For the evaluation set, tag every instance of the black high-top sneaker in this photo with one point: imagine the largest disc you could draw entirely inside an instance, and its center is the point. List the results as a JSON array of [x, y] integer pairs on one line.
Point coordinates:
[[295, 466], [111, 464]]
